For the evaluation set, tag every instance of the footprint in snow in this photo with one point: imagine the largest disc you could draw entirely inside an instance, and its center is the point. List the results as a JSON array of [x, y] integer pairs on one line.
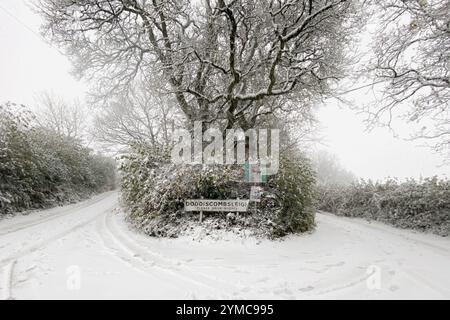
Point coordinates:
[[283, 291], [242, 271], [30, 268], [335, 264], [393, 288], [306, 289]]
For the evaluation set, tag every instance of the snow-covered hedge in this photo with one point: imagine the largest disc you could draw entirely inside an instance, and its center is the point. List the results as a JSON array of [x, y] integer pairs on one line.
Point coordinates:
[[154, 191], [39, 168], [421, 205]]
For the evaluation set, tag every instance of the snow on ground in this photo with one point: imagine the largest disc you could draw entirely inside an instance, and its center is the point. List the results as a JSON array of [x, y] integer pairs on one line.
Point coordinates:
[[87, 251]]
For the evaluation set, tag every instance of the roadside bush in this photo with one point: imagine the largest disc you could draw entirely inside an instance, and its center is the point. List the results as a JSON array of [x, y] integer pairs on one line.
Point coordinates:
[[39, 168], [154, 191], [293, 187], [422, 205]]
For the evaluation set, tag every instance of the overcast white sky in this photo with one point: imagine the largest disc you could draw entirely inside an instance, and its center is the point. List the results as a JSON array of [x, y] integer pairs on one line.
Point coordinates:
[[29, 66]]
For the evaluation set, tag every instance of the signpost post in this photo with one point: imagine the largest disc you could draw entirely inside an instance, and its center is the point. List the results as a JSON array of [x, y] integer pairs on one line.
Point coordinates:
[[201, 215], [255, 195]]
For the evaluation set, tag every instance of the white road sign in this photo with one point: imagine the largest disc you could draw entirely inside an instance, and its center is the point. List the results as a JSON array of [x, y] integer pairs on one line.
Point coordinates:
[[216, 205]]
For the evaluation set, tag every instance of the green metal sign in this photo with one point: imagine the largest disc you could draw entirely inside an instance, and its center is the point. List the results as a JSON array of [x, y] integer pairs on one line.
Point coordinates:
[[254, 173]]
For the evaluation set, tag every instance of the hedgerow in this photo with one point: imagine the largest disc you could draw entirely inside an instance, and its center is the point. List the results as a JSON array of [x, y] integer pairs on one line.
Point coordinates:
[[39, 168], [421, 205]]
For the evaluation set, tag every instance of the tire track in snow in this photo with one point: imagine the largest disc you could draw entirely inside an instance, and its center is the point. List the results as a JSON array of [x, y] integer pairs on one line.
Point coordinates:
[[147, 251], [148, 263], [392, 242], [30, 249], [65, 212], [440, 289], [346, 223], [8, 280]]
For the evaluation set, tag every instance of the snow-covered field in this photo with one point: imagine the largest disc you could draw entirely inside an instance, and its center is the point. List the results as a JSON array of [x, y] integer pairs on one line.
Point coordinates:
[[86, 251]]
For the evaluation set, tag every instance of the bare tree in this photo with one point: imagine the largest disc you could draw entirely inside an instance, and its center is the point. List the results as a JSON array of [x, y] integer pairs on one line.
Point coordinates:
[[69, 119], [143, 114], [227, 62], [413, 62]]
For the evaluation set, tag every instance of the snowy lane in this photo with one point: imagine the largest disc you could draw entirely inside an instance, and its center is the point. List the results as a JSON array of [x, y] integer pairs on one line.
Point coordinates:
[[30, 234], [87, 251], [22, 222]]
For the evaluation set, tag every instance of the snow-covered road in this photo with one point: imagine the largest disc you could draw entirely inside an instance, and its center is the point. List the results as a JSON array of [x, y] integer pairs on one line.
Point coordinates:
[[86, 251]]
